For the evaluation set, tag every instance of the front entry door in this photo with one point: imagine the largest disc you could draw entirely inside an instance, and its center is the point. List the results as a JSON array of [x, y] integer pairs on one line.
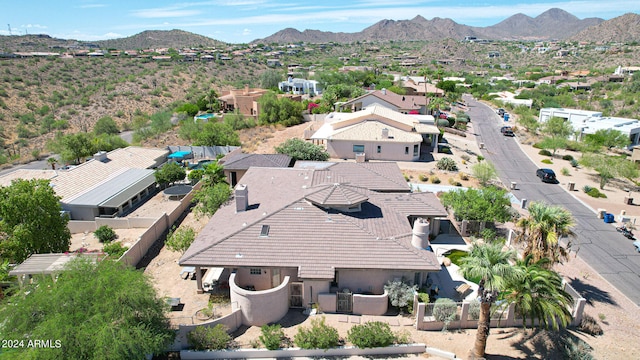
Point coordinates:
[[295, 295]]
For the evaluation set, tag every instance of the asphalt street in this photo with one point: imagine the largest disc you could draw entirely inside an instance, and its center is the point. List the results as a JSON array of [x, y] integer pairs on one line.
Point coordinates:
[[608, 252]]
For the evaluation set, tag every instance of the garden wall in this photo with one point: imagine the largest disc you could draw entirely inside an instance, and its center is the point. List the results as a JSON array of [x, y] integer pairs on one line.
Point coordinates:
[[232, 321]]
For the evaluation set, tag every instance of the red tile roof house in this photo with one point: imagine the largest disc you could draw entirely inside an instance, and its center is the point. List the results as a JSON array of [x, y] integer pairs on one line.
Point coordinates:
[[400, 103], [293, 237]]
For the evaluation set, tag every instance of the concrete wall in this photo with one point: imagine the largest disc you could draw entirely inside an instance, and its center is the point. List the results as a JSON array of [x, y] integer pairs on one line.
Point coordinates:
[[78, 226], [359, 281], [327, 302], [370, 304], [231, 321], [260, 307], [312, 288], [391, 151]]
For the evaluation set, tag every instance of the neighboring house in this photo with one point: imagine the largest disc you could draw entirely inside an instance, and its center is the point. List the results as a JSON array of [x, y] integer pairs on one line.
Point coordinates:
[[588, 122], [401, 103], [510, 98], [244, 100], [376, 133], [300, 86], [293, 237], [236, 164], [416, 85], [108, 185]]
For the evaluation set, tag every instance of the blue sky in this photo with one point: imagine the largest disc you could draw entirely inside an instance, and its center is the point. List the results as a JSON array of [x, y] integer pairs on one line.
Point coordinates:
[[241, 21]]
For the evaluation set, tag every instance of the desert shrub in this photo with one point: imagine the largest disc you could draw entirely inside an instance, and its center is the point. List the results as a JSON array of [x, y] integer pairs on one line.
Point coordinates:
[[465, 157], [423, 177], [400, 293], [423, 297], [474, 309], [480, 158], [115, 250], [536, 146], [589, 325], [594, 192], [546, 161], [371, 334], [406, 177], [454, 182], [488, 234], [544, 152], [447, 164], [564, 171], [272, 336], [403, 337], [575, 348], [317, 336], [586, 188], [445, 310], [567, 157], [105, 234], [574, 163], [463, 176], [434, 180], [209, 338]]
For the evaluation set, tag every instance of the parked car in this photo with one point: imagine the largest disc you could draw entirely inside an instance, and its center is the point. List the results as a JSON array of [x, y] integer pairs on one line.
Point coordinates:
[[546, 175], [500, 111], [508, 132], [637, 245], [506, 128]]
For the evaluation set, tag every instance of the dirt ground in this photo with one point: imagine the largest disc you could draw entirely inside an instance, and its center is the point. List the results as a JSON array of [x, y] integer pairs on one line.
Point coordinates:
[[617, 316]]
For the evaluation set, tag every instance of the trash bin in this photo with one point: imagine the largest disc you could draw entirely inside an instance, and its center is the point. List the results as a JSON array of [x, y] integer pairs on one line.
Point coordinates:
[[628, 200], [571, 186], [609, 218]]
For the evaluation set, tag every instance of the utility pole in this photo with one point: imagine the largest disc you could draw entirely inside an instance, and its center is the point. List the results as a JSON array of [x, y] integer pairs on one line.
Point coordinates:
[[9, 25]]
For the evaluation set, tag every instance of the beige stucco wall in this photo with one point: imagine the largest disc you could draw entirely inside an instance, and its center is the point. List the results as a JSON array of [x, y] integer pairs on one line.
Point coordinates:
[[359, 281], [260, 307], [263, 281], [327, 302], [390, 151], [370, 304], [312, 288]]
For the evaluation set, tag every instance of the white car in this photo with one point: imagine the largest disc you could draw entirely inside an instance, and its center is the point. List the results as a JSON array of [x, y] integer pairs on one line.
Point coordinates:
[[637, 245]]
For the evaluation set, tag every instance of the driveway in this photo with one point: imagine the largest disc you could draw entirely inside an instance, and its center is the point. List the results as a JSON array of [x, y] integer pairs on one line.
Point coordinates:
[[597, 243]]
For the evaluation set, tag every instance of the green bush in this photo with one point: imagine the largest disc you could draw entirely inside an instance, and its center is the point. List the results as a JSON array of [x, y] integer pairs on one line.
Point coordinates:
[[423, 178], [423, 297], [434, 180], [536, 146], [586, 188], [567, 157], [463, 176], [564, 171], [544, 152], [371, 334], [318, 336], [574, 163], [480, 158], [454, 182], [594, 192], [105, 234], [445, 310], [209, 338], [474, 309], [115, 250], [447, 164], [546, 161], [272, 336]]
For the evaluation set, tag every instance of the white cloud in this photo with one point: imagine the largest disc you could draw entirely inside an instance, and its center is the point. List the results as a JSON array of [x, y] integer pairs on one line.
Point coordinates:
[[246, 32], [33, 26], [164, 13]]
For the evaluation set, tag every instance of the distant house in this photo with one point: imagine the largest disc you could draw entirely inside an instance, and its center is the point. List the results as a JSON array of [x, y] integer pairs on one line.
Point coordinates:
[[400, 103], [376, 133], [301, 236], [300, 86], [416, 85], [244, 100]]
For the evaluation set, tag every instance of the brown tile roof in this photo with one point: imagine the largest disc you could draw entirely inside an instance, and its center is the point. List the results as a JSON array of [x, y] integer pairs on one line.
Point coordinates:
[[314, 239], [337, 195], [376, 176], [401, 101], [245, 161]]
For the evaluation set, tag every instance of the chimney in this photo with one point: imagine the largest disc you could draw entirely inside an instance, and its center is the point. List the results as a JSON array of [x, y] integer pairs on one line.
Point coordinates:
[[384, 91], [242, 197], [385, 133], [246, 89], [100, 156], [420, 234]]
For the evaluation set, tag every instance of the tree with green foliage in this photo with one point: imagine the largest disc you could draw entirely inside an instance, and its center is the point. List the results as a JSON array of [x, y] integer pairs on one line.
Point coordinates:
[[269, 79], [106, 125], [106, 142], [180, 239], [213, 173], [73, 147], [169, 173], [540, 232], [610, 167], [486, 204], [554, 143], [607, 138], [238, 121], [31, 221], [217, 134], [299, 149], [279, 110], [529, 122], [210, 198], [492, 265], [538, 294], [103, 310], [485, 172], [188, 108], [557, 127]]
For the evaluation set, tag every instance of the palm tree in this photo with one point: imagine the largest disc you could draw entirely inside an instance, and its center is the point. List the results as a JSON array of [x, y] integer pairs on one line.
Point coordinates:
[[541, 230], [492, 265], [538, 294], [52, 161]]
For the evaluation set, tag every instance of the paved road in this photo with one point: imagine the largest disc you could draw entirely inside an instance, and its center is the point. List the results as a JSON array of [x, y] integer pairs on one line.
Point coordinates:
[[597, 243]]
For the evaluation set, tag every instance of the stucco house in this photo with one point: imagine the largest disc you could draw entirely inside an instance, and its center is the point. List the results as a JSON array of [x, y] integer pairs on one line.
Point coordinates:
[[236, 164], [376, 133], [244, 100], [299, 86], [400, 103], [292, 237]]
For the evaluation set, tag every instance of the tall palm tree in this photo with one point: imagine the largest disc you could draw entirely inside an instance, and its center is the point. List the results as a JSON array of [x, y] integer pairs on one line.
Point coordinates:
[[492, 265], [538, 294], [541, 231]]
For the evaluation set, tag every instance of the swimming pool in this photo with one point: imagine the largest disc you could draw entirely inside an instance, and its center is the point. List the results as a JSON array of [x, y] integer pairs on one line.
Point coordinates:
[[204, 117], [200, 165]]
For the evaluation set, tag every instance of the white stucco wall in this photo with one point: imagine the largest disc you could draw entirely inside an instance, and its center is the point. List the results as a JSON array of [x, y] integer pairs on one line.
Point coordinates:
[[359, 281], [260, 307], [391, 151]]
